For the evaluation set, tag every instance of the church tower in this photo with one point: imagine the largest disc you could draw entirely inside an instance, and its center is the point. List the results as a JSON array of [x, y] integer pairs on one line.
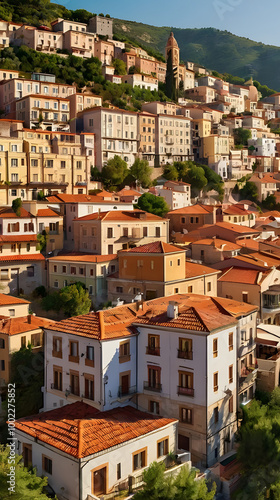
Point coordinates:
[[172, 50]]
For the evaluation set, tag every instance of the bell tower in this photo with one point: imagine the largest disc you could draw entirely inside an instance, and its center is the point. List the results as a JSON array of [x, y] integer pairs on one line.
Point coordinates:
[[172, 50]]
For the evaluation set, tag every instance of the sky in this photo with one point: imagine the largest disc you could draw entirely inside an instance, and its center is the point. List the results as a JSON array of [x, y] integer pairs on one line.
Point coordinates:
[[252, 19]]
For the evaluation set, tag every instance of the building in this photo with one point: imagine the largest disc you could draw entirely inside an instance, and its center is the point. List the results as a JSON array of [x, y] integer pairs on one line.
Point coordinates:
[[48, 113], [15, 333], [101, 26], [266, 184], [191, 217], [221, 230], [147, 82], [267, 342], [147, 136], [213, 250], [115, 133], [263, 146], [105, 233], [91, 270], [173, 139], [177, 194], [158, 270], [94, 447], [21, 264]]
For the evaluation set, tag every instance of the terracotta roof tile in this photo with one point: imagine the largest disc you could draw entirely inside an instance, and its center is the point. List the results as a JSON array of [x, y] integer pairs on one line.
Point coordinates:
[[80, 257], [9, 300], [193, 209], [14, 326], [27, 257], [121, 215], [240, 275], [154, 247], [46, 212], [80, 430], [20, 237], [194, 270], [217, 243], [8, 213]]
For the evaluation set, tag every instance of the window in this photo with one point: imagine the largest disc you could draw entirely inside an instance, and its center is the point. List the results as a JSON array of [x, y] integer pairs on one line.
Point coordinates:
[[79, 165], [89, 387], [185, 387], [72, 270], [124, 351], [190, 289], [57, 378], [186, 415], [89, 361], [109, 232], [215, 348], [12, 312], [47, 464], [140, 459], [119, 289], [185, 350], [64, 269], [215, 381], [2, 343], [63, 164], [230, 405], [216, 414], [57, 347], [145, 232], [49, 163], [154, 407], [119, 473], [153, 345], [23, 341], [55, 269], [245, 297], [74, 351], [209, 287], [36, 339], [162, 447], [2, 365], [230, 374], [74, 383], [230, 341], [158, 232], [30, 271]]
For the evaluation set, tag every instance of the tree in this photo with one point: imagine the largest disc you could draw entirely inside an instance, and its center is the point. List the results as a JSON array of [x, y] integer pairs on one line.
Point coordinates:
[[141, 171], [170, 172], [153, 204], [16, 206], [95, 174], [114, 172], [27, 373], [241, 136], [75, 300], [28, 486], [120, 67], [195, 177], [158, 486], [270, 202], [170, 84], [249, 191]]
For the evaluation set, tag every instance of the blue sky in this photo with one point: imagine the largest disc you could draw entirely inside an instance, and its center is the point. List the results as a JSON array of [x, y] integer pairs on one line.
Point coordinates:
[[249, 18]]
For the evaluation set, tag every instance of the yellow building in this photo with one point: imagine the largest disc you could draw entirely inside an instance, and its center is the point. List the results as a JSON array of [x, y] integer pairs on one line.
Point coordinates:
[[158, 270]]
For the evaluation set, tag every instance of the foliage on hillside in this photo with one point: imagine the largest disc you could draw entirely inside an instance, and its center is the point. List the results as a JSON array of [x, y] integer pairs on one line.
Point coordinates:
[[80, 71]]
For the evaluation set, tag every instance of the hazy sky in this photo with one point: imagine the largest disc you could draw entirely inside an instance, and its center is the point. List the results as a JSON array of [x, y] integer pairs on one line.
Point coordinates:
[[253, 19]]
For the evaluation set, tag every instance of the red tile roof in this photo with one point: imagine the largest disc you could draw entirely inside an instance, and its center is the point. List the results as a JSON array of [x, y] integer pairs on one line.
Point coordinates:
[[241, 275], [194, 270], [14, 326], [217, 243], [193, 209], [80, 257], [20, 237], [8, 213], [27, 257], [121, 215], [154, 247], [6, 300], [80, 430], [46, 212]]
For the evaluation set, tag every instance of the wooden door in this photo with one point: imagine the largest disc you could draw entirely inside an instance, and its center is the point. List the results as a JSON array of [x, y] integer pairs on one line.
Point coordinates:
[[99, 480], [125, 384]]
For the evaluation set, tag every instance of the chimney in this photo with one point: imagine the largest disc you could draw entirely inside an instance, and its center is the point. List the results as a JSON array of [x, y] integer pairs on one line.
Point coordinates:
[[29, 319], [172, 310]]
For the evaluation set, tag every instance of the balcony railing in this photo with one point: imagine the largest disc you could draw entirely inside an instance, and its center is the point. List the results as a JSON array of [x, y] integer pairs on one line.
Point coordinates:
[[126, 392], [150, 386], [154, 351], [185, 391], [185, 354]]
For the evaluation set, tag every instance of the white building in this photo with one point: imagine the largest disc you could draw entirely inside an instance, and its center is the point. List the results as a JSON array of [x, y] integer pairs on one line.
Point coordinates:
[[177, 194], [147, 82], [263, 146], [86, 454]]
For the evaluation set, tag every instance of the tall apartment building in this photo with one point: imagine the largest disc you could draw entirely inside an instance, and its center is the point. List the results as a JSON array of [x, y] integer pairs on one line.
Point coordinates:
[[44, 112], [173, 139], [115, 133], [101, 26]]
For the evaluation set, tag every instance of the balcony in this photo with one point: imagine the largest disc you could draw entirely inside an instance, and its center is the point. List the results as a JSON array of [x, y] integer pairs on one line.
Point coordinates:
[[153, 351], [185, 391], [122, 392], [154, 387], [185, 354], [271, 299]]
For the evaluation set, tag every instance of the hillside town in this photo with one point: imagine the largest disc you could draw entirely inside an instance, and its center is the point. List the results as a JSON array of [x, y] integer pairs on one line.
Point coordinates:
[[165, 223]]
